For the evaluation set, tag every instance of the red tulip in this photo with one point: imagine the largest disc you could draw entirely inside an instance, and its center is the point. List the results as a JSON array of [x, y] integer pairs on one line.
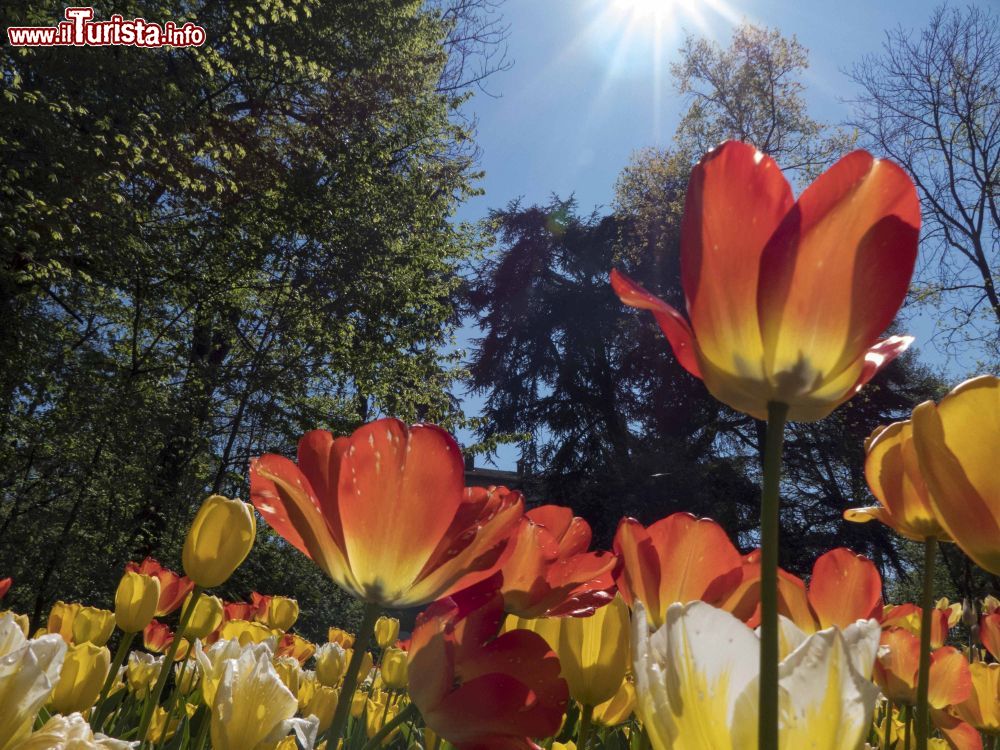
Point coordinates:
[[549, 572], [786, 299], [157, 637], [679, 558], [384, 512], [174, 588], [237, 611], [258, 605], [479, 690], [5, 586]]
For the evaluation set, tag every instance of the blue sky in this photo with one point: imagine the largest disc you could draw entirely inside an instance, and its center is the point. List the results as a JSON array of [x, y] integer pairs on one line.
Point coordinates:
[[590, 85]]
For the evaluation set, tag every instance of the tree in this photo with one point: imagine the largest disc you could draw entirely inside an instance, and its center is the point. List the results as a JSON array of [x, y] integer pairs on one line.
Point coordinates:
[[206, 252], [931, 102]]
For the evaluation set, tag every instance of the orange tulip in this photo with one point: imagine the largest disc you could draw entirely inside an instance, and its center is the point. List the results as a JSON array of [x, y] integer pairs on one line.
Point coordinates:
[[894, 477], [896, 671], [295, 646], [908, 616], [174, 587], [383, 512], [549, 572], [679, 558], [989, 633], [5, 586], [956, 442], [237, 611], [786, 299]]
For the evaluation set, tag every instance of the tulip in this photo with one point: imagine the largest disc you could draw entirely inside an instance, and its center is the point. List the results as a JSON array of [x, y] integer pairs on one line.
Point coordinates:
[[696, 682], [281, 612], [187, 676], [331, 663], [897, 665], [386, 631], [212, 662], [290, 672], [981, 708], [20, 620], [618, 708], [5, 586], [333, 507], [83, 672], [989, 633], [72, 732], [252, 707], [174, 588], [142, 672], [27, 675], [219, 539], [894, 477], [161, 729], [909, 617], [476, 689], [679, 558], [237, 611], [206, 617], [136, 601], [394, 668], [12, 635], [550, 572], [593, 651], [295, 646], [61, 618], [956, 443], [93, 625], [340, 637], [244, 632], [380, 712], [766, 280], [319, 701]]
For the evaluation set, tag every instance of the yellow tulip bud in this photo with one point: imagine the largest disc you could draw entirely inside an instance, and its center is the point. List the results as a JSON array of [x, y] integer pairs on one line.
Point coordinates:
[[341, 638], [282, 613], [289, 671], [142, 672], [159, 730], [568, 745], [244, 631], [207, 616], [135, 601], [20, 620], [83, 673], [219, 539], [358, 704], [394, 668], [380, 711], [386, 631], [61, 618], [187, 675], [367, 662], [321, 703], [93, 625], [331, 663], [618, 708]]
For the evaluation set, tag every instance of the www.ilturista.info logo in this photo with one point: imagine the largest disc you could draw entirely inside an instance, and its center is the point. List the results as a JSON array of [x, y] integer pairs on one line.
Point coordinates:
[[78, 30]]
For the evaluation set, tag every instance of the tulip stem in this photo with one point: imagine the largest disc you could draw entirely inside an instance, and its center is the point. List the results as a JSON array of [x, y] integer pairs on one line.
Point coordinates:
[[586, 722], [167, 667], [887, 739], [927, 611], [333, 735], [767, 727], [120, 654], [406, 714]]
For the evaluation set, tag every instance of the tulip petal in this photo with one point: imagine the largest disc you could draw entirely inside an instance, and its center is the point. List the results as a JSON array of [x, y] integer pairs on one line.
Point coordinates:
[[844, 587], [736, 198], [835, 272], [989, 633], [671, 322], [960, 735], [399, 490], [950, 681], [956, 443], [319, 457]]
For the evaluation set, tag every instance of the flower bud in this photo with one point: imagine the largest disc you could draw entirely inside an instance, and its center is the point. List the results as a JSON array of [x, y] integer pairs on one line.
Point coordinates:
[[83, 673], [380, 713], [331, 663], [289, 672], [386, 631], [322, 703], [282, 612], [187, 675], [394, 668], [61, 618], [219, 539], [207, 616], [245, 632], [341, 637], [93, 625], [135, 601], [358, 703], [142, 672]]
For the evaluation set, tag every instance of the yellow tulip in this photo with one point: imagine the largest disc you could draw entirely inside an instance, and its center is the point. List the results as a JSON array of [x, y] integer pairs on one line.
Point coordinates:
[[593, 651], [394, 668], [245, 632], [380, 712], [290, 672], [358, 704], [282, 613], [219, 539], [618, 708], [93, 625], [386, 631], [982, 708], [61, 618], [331, 663], [341, 637], [135, 601], [141, 672], [20, 620], [956, 442], [568, 745], [159, 730], [187, 675], [207, 616], [252, 707], [212, 662], [83, 673], [12, 636], [894, 477], [320, 702], [697, 682], [27, 676]]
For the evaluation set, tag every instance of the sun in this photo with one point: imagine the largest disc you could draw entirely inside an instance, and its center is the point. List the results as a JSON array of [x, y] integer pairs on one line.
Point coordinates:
[[648, 9]]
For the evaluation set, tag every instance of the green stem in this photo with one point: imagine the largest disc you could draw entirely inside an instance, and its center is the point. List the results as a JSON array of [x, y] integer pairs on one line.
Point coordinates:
[[168, 664], [120, 654], [887, 743], [410, 712], [907, 725], [927, 612], [333, 735], [586, 723], [767, 728]]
